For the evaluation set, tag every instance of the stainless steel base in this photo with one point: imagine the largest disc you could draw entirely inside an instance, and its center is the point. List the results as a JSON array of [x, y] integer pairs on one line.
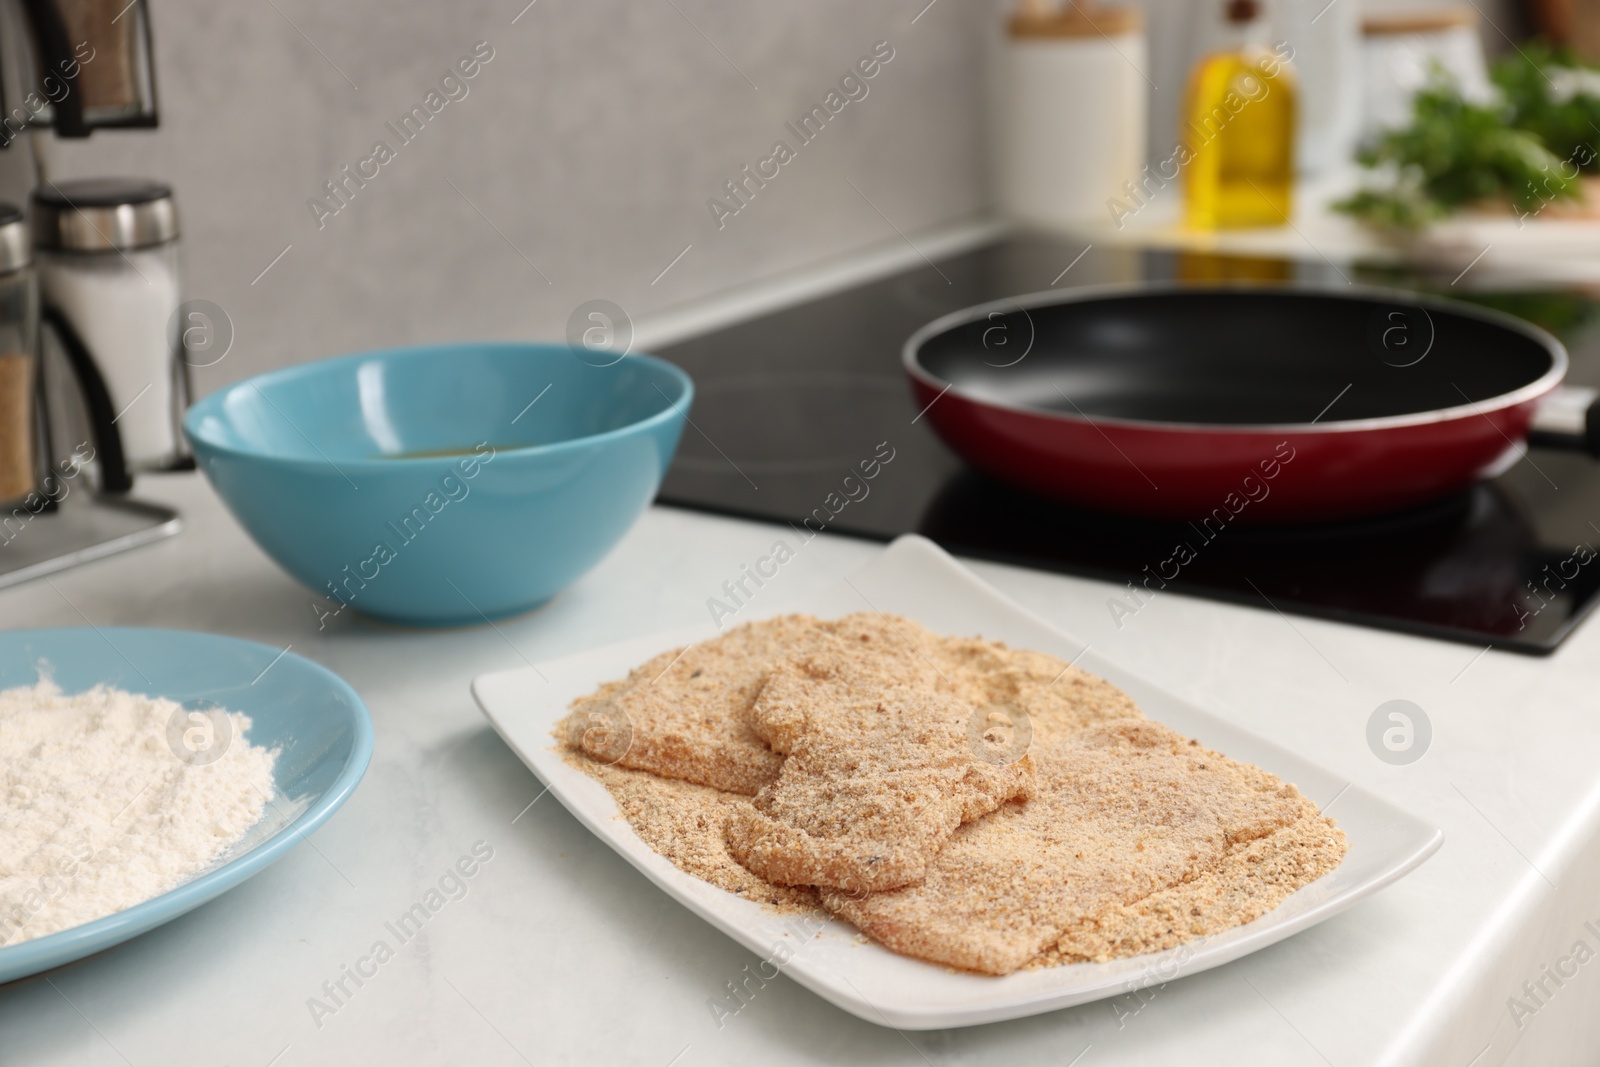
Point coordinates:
[[82, 528]]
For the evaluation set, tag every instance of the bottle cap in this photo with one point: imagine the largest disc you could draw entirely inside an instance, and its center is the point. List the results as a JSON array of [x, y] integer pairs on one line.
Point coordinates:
[[1243, 10], [103, 215]]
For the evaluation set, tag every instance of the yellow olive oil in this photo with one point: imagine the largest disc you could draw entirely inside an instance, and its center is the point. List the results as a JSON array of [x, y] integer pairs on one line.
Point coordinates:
[[1239, 127]]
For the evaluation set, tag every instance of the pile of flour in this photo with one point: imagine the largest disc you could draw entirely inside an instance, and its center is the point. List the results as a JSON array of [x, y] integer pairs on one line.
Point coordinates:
[[105, 803]]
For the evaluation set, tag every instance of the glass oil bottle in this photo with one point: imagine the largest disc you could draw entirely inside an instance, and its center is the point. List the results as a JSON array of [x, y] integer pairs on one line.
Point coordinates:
[[1239, 128]]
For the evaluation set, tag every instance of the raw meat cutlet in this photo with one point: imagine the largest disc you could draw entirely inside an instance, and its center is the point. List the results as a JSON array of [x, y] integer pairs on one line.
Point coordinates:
[[839, 665], [1253, 878], [1120, 811], [885, 760], [686, 714], [684, 823], [1059, 699], [871, 792]]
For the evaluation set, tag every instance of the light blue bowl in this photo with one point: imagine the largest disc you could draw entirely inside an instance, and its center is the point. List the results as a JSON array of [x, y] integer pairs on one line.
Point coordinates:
[[307, 712], [442, 485]]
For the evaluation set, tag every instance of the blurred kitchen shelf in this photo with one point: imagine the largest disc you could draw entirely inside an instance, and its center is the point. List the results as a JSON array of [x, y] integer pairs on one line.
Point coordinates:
[[1471, 251]]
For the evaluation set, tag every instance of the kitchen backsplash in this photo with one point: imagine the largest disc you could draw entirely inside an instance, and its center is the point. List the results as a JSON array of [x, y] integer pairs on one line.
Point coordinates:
[[359, 177]]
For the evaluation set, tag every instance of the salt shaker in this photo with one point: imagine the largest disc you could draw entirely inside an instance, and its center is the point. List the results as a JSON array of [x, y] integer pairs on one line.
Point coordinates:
[[108, 265], [19, 322]]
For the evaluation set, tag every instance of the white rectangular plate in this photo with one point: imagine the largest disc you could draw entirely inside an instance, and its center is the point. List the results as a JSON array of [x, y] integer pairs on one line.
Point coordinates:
[[914, 578]]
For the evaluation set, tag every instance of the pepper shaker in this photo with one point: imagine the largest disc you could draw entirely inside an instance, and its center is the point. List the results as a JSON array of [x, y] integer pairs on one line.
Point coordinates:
[[19, 372]]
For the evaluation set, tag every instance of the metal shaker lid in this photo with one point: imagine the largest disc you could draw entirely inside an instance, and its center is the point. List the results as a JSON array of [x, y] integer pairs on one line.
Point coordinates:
[[16, 251], [103, 215]]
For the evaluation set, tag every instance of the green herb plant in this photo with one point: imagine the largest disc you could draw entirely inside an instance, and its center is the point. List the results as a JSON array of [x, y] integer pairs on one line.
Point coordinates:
[[1525, 149], [1555, 97]]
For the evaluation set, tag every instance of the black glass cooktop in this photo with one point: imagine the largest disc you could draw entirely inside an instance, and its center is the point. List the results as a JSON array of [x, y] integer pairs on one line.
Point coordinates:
[[803, 417]]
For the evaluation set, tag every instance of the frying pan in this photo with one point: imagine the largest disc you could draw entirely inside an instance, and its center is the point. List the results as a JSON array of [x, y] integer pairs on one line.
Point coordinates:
[[1254, 404]]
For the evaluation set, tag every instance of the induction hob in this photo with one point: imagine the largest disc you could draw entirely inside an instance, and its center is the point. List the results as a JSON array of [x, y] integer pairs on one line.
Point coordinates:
[[803, 417]]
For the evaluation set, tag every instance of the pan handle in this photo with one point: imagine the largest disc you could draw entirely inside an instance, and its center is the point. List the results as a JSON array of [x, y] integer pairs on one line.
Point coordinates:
[[1568, 418]]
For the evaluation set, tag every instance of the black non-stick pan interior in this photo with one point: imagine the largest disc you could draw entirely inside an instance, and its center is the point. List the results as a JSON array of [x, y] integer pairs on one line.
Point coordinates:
[[1241, 356]]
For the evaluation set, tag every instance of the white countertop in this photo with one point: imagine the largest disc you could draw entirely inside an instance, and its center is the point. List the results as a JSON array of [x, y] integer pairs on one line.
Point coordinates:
[[562, 953]]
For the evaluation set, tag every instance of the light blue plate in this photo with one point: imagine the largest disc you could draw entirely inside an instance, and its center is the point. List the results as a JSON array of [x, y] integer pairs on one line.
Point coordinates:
[[315, 720]]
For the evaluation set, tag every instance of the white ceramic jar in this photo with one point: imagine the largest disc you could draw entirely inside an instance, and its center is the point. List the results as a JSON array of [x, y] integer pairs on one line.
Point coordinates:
[[1070, 106], [1399, 53]]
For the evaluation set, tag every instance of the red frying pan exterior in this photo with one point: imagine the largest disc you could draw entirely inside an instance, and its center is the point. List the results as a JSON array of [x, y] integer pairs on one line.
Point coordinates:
[[1275, 474], [1230, 472]]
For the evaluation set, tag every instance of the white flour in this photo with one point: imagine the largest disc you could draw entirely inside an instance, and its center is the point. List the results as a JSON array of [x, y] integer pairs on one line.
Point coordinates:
[[98, 812]]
